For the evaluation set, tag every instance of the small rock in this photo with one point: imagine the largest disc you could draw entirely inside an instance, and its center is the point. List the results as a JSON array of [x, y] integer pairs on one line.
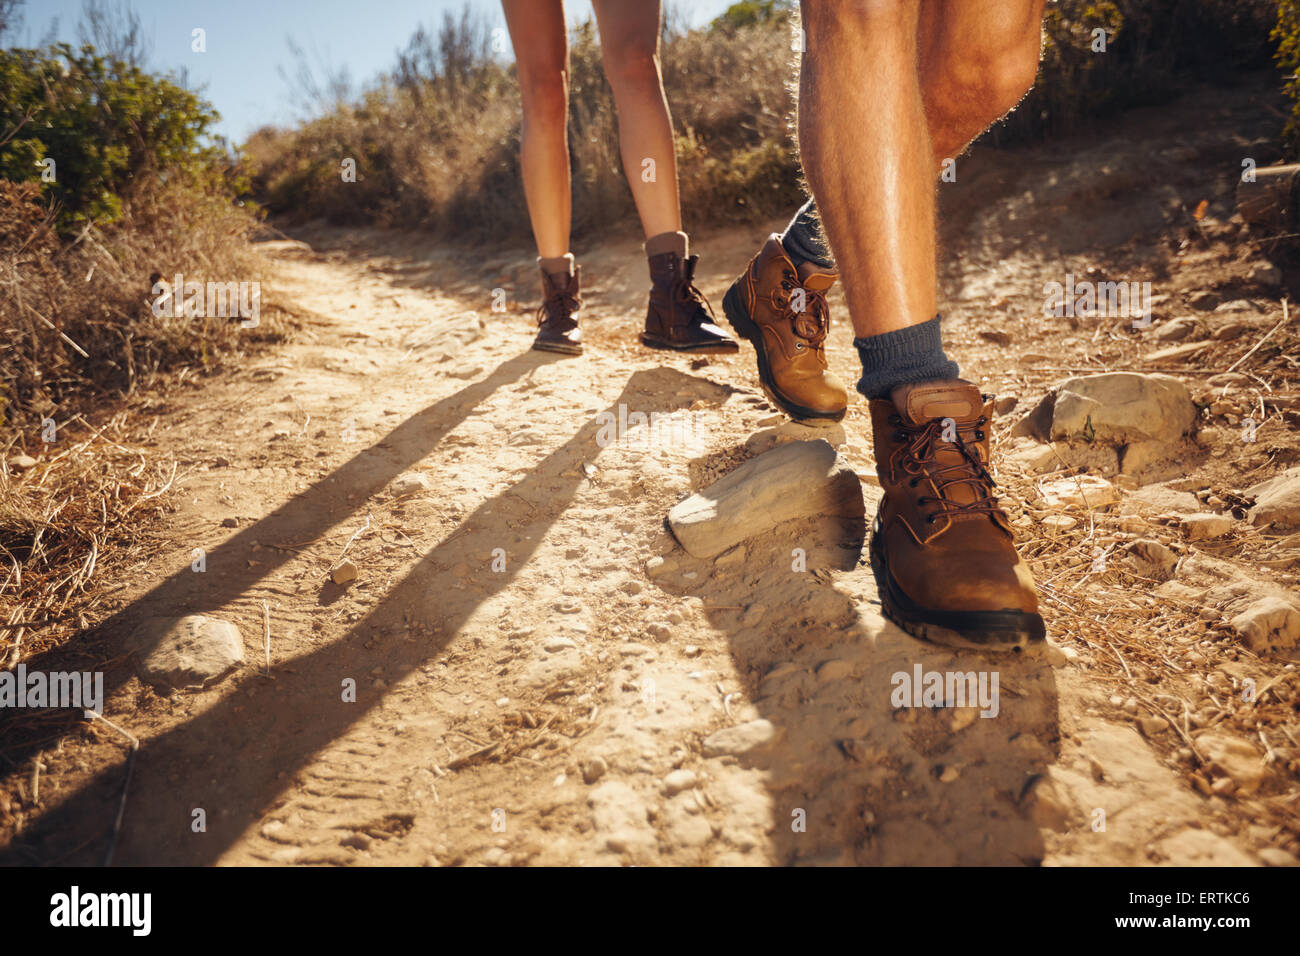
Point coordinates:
[[1201, 527], [594, 769], [1277, 501], [1006, 404], [182, 652], [741, 739], [344, 572], [1235, 758], [1059, 523], [833, 670], [1151, 726], [679, 780], [1265, 274], [411, 483], [1174, 330], [22, 462], [691, 650], [1080, 491], [1272, 856], [1204, 300], [949, 774], [230, 522], [556, 644], [1120, 408], [1268, 623]]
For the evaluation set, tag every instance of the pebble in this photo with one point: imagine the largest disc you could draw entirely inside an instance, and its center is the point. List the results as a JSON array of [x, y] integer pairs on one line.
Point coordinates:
[[1272, 856], [345, 571], [741, 739], [679, 780], [410, 483], [1201, 527], [594, 769], [556, 644], [22, 462], [1152, 725]]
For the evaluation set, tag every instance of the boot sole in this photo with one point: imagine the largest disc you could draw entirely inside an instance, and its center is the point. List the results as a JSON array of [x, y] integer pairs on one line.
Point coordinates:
[[748, 328], [703, 348], [562, 349], [1008, 630]]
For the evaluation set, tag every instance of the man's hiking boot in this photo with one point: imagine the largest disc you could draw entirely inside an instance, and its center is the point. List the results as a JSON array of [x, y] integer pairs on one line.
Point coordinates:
[[942, 550], [783, 312], [558, 330], [679, 318]]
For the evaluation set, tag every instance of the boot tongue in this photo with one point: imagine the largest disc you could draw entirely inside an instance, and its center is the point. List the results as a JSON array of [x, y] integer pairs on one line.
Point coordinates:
[[920, 402], [816, 279]]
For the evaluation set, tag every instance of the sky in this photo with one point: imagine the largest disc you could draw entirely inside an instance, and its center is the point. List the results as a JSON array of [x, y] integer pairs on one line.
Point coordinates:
[[248, 39]]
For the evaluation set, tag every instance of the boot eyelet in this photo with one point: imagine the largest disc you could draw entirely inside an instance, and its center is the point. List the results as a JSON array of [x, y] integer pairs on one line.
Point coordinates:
[[898, 436], [930, 520], [979, 435], [798, 346], [914, 482]]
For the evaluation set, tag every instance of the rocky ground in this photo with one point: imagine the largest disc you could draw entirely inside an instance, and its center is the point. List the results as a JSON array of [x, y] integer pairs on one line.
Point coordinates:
[[443, 620]]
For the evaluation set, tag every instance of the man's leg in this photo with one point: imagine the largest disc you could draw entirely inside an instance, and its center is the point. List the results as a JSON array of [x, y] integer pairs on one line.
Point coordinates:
[[942, 549], [977, 59], [677, 318]]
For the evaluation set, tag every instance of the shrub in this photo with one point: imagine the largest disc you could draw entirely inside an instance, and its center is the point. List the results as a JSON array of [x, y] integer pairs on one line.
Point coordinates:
[[107, 126]]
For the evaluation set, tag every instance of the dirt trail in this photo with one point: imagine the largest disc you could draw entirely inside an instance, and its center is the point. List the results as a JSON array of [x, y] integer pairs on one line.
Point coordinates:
[[525, 689]]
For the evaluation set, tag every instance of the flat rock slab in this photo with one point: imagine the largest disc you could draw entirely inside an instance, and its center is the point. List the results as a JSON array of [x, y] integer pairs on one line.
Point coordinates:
[[179, 653], [795, 480]]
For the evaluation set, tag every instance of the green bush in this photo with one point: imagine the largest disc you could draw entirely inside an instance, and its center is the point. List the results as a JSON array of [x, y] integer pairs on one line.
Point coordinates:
[[107, 125], [1155, 49]]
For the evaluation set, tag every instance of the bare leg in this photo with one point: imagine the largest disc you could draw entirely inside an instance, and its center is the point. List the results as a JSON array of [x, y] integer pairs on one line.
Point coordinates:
[[629, 45], [540, 40], [867, 154], [978, 58], [973, 60]]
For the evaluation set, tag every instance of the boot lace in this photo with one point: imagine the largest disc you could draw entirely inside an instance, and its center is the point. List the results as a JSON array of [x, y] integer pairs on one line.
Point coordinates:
[[557, 308], [918, 458], [814, 322]]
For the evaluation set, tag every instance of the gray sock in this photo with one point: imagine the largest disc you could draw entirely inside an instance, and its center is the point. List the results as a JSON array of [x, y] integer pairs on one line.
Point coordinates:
[[913, 354], [804, 240]]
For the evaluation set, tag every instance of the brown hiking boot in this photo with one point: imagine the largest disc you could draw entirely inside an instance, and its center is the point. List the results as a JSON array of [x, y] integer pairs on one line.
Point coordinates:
[[943, 551], [679, 317], [764, 306], [558, 330]]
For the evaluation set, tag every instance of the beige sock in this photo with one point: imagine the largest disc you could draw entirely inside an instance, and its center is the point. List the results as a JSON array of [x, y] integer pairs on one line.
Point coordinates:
[[557, 265], [668, 242]]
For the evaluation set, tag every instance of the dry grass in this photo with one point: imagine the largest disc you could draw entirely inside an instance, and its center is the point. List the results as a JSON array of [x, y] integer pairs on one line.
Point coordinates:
[[81, 342]]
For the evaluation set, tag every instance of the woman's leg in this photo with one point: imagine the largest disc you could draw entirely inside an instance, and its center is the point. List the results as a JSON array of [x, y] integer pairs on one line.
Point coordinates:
[[540, 40], [629, 45]]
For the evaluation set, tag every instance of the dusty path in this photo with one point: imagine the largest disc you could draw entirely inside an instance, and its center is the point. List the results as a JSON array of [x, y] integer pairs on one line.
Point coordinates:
[[527, 691]]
